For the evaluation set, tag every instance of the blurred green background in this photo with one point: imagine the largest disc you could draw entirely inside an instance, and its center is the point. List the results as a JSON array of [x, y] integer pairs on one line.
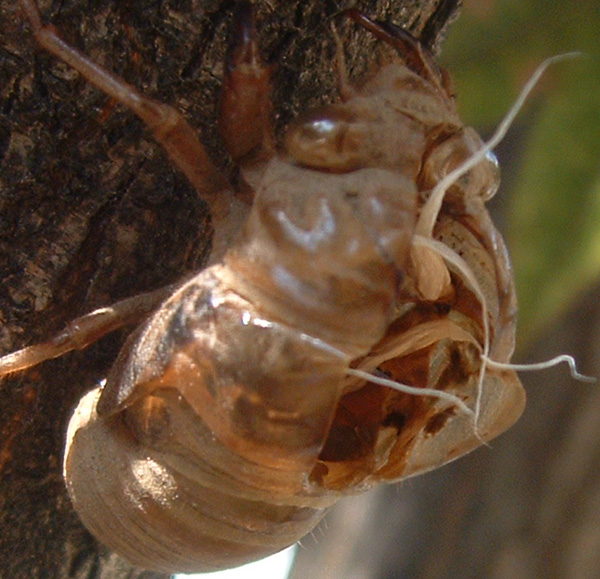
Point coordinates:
[[549, 202]]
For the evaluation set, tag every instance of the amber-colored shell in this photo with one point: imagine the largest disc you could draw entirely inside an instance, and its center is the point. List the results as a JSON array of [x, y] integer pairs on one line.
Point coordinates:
[[231, 420], [228, 425]]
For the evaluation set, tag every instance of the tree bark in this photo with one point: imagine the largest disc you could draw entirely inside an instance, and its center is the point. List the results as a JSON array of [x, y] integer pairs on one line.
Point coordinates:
[[91, 210]]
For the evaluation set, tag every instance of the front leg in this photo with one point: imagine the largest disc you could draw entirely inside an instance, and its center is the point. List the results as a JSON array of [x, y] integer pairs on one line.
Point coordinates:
[[245, 107]]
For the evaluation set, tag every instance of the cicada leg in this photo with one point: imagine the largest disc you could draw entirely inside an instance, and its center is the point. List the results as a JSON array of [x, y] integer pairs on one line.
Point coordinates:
[[245, 107], [83, 331], [168, 127]]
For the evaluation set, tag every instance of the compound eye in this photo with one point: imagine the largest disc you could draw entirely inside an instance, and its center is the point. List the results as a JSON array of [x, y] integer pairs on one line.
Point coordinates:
[[327, 139], [487, 175], [482, 180]]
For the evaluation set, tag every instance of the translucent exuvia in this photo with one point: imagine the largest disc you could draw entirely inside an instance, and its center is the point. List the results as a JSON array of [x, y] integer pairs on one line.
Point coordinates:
[[242, 408]]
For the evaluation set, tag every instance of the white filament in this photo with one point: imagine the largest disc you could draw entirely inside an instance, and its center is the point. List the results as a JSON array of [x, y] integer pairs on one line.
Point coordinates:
[[412, 390], [451, 257], [569, 360]]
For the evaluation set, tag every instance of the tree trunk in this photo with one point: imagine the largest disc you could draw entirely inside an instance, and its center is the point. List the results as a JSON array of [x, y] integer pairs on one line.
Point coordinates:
[[91, 210]]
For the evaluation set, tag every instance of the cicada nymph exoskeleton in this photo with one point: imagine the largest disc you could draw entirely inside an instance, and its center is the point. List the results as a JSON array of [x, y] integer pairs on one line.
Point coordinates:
[[251, 400]]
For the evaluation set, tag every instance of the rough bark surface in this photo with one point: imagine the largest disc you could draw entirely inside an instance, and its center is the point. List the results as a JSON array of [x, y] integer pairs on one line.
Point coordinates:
[[91, 210]]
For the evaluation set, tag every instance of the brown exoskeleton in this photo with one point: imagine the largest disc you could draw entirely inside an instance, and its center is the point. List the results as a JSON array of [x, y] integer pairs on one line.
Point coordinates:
[[250, 400]]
